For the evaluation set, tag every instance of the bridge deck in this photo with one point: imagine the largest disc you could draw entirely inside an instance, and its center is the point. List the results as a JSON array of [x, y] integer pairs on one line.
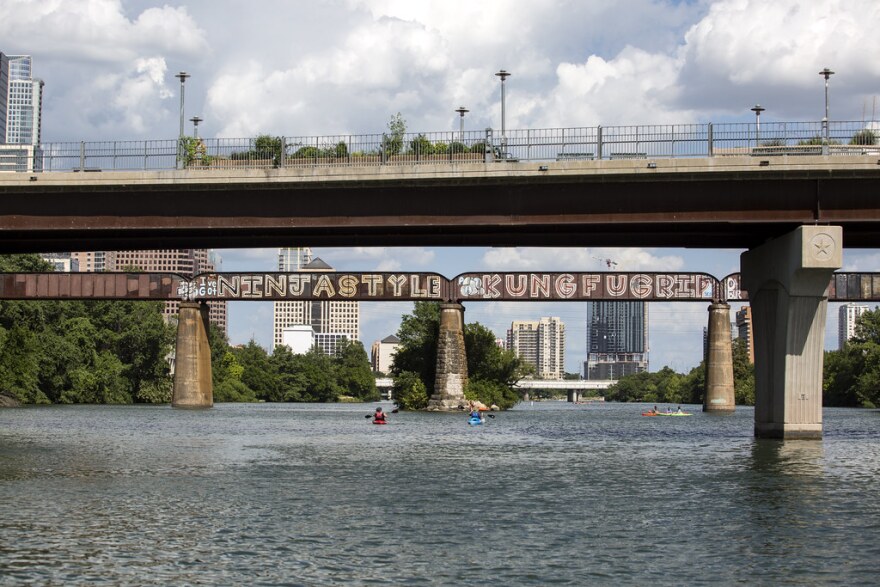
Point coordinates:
[[719, 202]]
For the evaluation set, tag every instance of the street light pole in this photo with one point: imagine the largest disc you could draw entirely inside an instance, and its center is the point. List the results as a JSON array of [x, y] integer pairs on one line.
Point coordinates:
[[503, 75], [826, 73], [182, 77], [461, 111], [757, 109], [196, 120]]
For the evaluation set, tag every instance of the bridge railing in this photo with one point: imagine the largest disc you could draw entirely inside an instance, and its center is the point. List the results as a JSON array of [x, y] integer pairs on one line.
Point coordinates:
[[539, 145]]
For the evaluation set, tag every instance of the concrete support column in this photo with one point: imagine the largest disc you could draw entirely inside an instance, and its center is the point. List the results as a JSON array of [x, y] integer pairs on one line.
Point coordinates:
[[787, 281], [574, 396], [452, 374], [192, 364], [720, 395]]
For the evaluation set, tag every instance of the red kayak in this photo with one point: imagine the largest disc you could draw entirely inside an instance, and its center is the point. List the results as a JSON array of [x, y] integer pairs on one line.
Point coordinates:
[[650, 414], [379, 422]]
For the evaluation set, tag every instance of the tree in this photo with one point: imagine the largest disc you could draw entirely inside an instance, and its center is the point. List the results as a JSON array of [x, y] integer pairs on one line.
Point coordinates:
[[409, 391], [418, 334], [257, 373], [852, 375], [392, 142], [743, 374], [421, 146], [353, 371]]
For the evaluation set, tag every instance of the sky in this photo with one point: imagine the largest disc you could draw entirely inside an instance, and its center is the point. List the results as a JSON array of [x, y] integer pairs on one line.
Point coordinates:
[[347, 66]]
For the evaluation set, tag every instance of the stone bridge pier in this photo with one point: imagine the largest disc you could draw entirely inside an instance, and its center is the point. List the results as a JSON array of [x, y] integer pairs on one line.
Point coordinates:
[[720, 395], [787, 281], [193, 387], [452, 373]]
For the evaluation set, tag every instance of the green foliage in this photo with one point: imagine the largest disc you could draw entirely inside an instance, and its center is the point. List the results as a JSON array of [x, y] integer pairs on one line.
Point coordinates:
[[817, 140], [852, 375], [392, 142], [667, 386], [353, 370], [82, 351], [409, 391], [265, 147], [337, 151], [418, 335], [492, 371], [421, 146], [194, 152], [866, 136], [743, 374]]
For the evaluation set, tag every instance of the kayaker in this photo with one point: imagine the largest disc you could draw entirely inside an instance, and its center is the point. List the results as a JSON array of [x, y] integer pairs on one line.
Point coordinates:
[[654, 411], [379, 416], [679, 410]]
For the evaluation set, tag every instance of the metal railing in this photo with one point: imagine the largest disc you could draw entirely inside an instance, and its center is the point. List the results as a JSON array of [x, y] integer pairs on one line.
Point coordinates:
[[540, 145]]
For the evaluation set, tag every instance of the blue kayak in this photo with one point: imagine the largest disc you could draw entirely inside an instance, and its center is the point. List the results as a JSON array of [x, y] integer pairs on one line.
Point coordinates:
[[475, 421]]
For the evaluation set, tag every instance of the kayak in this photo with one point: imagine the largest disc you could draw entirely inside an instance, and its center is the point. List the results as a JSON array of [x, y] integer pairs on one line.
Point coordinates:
[[475, 421], [379, 422], [676, 414], [650, 414]]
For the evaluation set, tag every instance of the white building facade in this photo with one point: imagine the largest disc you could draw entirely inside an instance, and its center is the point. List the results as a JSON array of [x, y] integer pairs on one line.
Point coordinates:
[[24, 102], [330, 321], [847, 318]]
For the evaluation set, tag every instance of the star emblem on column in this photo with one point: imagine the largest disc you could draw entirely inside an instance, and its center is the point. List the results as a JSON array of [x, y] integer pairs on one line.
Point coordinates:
[[823, 246]]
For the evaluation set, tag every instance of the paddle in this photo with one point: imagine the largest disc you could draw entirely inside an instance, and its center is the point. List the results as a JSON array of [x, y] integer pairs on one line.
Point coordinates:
[[394, 411]]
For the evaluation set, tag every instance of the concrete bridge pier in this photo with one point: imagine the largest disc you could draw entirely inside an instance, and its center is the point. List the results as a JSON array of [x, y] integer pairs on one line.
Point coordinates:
[[452, 373], [720, 395], [192, 365], [787, 281], [574, 396]]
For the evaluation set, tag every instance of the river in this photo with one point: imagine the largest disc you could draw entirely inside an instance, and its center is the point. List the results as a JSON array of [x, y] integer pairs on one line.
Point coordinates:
[[549, 493]]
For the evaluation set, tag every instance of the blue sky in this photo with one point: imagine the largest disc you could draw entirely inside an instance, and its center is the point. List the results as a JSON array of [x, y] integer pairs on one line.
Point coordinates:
[[346, 66]]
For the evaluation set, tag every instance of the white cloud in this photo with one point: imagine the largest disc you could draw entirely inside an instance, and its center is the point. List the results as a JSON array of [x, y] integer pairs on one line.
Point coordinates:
[[579, 259], [97, 30]]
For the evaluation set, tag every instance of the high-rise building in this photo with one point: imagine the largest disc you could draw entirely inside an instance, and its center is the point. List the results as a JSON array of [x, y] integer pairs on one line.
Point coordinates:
[[24, 102], [540, 343], [186, 262], [617, 339], [846, 322], [382, 354], [4, 93], [744, 329], [95, 261], [331, 321]]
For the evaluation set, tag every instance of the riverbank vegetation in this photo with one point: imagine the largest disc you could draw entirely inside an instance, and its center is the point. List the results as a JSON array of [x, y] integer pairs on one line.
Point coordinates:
[[117, 352], [492, 371]]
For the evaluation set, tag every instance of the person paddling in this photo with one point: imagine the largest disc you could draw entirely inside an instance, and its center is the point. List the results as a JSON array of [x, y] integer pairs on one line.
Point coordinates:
[[379, 416]]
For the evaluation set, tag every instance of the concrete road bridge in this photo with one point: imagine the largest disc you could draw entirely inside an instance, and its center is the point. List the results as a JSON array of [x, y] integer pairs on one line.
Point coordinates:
[[793, 203]]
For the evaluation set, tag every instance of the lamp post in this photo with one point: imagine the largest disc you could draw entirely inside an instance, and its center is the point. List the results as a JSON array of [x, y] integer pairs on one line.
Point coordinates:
[[461, 111], [196, 120], [757, 109], [826, 73], [503, 75], [182, 77]]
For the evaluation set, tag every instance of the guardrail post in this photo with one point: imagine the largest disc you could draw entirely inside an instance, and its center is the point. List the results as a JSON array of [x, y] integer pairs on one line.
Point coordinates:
[[709, 140], [82, 155], [283, 155], [599, 142]]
